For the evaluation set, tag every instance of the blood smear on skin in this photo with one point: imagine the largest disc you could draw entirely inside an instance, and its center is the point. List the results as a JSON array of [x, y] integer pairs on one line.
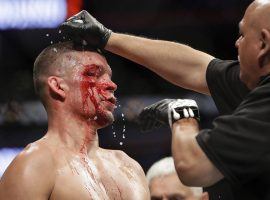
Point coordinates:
[[87, 90]]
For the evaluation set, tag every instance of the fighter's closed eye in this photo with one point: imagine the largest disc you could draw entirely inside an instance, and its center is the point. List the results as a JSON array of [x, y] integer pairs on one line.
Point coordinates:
[[91, 73], [91, 70]]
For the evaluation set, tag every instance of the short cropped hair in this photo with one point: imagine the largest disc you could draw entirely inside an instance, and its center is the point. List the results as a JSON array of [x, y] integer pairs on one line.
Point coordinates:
[[163, 167], [50, 60], [47, 62]]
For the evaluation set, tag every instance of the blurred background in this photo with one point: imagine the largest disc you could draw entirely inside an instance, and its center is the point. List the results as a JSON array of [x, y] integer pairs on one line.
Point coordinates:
[[28, 26]]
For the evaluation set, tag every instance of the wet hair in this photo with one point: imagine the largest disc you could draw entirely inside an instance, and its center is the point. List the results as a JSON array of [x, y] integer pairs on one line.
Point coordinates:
[[49, 61], [46, 64], [164, 167]]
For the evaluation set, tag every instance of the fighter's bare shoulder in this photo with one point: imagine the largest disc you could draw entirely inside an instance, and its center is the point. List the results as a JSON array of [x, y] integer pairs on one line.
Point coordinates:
[[126, 160], [35, 157], [30, 174], [131, 166]]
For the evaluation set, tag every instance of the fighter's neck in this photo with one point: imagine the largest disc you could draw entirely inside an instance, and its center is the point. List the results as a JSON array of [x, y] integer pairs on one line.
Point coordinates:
[[76, 134]]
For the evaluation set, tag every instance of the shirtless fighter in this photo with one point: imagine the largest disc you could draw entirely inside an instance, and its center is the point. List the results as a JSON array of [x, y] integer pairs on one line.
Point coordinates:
[[67, 163]]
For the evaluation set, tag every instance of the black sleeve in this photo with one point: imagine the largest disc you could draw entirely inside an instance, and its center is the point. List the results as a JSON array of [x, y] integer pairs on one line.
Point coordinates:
[[224, 84], [239, 144]]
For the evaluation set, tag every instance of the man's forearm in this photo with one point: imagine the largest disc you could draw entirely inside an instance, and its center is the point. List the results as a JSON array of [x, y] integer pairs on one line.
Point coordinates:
[[179, 64], [192, 165], [184, 132]]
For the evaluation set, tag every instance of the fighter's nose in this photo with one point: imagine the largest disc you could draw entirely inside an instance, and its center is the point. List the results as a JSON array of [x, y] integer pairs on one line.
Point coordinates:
[[111, 86]]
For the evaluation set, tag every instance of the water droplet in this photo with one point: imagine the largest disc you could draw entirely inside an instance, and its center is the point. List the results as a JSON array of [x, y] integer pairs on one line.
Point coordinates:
[[64, 37], [55, 50], [124, 136], [119, 105], [124, 130], [113, 133], [84, 42], [121, 143], [95, 118], [114, 136], [123, 115], [47, 35], [59, 31], [51, 42]]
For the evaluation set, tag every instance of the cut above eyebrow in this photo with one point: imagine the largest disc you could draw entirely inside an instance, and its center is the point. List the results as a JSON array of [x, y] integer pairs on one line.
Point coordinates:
[[90, 65], [101, 68], [93, 66]]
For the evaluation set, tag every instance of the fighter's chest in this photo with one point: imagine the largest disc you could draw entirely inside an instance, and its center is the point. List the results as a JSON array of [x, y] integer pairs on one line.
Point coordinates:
[[83, 179]]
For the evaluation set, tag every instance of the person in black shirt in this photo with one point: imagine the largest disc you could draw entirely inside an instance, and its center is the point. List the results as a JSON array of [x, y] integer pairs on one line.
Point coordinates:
[[233, 158]]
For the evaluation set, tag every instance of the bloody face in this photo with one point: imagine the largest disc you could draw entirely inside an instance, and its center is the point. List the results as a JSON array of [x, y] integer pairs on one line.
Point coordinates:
[[96, 97]]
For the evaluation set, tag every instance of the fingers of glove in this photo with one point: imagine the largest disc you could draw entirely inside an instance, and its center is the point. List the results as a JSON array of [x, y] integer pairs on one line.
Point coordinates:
[[191, 113], [176, 115], [84, 15], [70, 27], [88, 18], [195, 111], [80, 15], [185, 112], [76, 21]]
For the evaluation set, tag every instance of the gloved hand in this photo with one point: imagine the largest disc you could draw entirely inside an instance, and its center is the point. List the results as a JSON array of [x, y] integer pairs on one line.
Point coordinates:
[[166, 112], [83, 28]]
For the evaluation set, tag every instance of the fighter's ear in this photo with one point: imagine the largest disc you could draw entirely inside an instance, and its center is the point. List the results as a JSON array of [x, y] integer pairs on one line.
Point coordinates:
[[57, 87], [264, 54]]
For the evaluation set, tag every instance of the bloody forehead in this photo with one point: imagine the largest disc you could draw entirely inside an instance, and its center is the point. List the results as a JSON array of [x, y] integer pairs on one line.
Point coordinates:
[[102, 67], [92, 66]]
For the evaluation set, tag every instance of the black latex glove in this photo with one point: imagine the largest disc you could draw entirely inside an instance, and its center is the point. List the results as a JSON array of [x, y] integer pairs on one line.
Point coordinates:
[[154, 116], [166, 112], [84, 29]]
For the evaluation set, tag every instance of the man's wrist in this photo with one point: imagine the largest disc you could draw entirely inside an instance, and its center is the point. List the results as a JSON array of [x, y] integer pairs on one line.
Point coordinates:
[[110, 42], [187, 123]]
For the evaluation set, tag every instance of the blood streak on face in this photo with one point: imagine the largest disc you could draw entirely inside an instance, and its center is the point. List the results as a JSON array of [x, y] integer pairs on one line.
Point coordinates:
[[90, 85]]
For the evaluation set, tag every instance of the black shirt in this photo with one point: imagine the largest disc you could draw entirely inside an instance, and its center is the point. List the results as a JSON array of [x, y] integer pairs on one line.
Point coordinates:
[[239, 143]]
